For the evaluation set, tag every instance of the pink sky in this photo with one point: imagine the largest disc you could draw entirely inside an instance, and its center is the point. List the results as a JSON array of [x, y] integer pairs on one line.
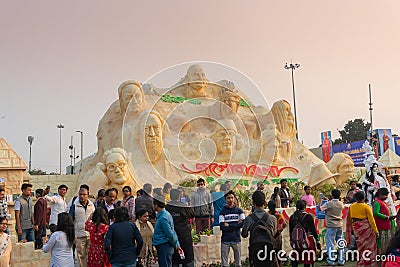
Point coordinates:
[[63, 61]]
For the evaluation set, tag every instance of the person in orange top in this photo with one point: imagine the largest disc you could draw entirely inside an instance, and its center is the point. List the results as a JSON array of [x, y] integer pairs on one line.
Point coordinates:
[[280, 223], [361, 220]]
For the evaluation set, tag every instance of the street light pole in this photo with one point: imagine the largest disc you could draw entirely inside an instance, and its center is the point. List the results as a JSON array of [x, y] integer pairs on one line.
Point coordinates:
[[30, 141], [370, 106], [60, 126], [292, 67], [81, 132]]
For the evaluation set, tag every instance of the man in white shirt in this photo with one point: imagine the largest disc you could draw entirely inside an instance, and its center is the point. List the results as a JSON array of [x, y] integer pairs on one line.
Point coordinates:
[[57, 203]]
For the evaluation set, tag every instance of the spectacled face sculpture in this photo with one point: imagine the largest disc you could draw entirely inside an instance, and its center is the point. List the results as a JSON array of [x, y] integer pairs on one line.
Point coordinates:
[[116, 168]]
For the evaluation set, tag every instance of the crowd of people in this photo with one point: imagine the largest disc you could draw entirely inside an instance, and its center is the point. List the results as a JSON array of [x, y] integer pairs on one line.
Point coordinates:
[[155, 225]]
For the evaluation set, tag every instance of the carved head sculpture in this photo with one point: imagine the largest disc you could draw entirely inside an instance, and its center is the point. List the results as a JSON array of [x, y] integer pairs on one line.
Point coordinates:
[[231, 99], [153, 126], [284, 118], [130, 94], [343, 164], [115, 166], [225, 138], [196, 77], [271, 140]]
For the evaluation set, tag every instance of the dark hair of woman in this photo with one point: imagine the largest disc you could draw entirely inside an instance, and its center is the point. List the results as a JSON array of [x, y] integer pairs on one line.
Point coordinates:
[[101, 193], [382, 192], [100, 216], [272, 206], [300, 206], [359, 196], [370, 174], [275, 194], [166, 187], [394, 243], [121, 214], [157, 191], [66, 225], [127, 187], [140, 213]]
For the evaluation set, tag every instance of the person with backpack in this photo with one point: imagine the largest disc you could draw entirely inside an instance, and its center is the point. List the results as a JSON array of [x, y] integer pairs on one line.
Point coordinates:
[[230, 221], [334, 225], [303, 236], [262, 228]]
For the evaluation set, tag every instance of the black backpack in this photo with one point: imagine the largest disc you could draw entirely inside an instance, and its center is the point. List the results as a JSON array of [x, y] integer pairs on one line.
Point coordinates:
[[298, 237], [261, 232]]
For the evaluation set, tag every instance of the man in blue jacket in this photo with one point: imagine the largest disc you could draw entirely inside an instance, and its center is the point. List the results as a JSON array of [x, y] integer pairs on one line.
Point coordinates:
[[230, 221], [164, 239]]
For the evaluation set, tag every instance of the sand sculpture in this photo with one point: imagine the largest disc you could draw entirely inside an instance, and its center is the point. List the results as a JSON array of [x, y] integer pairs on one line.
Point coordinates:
[[200, 127]]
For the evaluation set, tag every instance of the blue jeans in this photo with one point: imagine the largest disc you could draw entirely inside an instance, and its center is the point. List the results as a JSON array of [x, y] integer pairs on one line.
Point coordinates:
[[123, 265], [27, 234], [333, 235], [164, 253]]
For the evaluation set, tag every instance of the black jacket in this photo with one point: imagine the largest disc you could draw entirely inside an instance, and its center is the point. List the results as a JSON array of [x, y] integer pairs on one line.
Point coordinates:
[[181, 215]]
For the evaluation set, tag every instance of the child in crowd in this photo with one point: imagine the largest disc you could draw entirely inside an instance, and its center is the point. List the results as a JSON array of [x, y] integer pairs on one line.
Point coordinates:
[[308, 198]]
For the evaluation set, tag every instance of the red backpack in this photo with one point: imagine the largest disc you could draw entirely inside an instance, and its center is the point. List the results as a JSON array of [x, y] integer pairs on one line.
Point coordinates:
[[298, 238]]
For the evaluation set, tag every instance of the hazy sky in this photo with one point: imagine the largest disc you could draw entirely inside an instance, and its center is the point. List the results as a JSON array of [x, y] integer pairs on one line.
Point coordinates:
[[62, 61]]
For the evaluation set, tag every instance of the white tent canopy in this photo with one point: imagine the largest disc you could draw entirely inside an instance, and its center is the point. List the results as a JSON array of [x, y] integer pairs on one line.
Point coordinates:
[[390, 159]]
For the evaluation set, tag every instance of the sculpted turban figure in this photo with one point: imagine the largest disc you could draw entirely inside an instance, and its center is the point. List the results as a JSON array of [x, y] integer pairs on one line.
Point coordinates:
[[131, 97], [109, 133], [284, 118]]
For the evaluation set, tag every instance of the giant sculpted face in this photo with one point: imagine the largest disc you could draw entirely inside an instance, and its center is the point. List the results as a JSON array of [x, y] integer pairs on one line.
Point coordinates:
[[225, 139], [284, 118], [131, 97], [116, 168], [196, 77], [151, 126], [231, 99]]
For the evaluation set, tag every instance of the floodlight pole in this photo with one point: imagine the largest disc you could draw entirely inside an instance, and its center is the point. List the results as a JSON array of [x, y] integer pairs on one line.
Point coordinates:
[[292, 67]]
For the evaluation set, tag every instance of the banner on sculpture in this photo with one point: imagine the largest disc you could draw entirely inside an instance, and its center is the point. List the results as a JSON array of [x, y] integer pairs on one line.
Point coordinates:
[[353, 149], [239, 173]]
